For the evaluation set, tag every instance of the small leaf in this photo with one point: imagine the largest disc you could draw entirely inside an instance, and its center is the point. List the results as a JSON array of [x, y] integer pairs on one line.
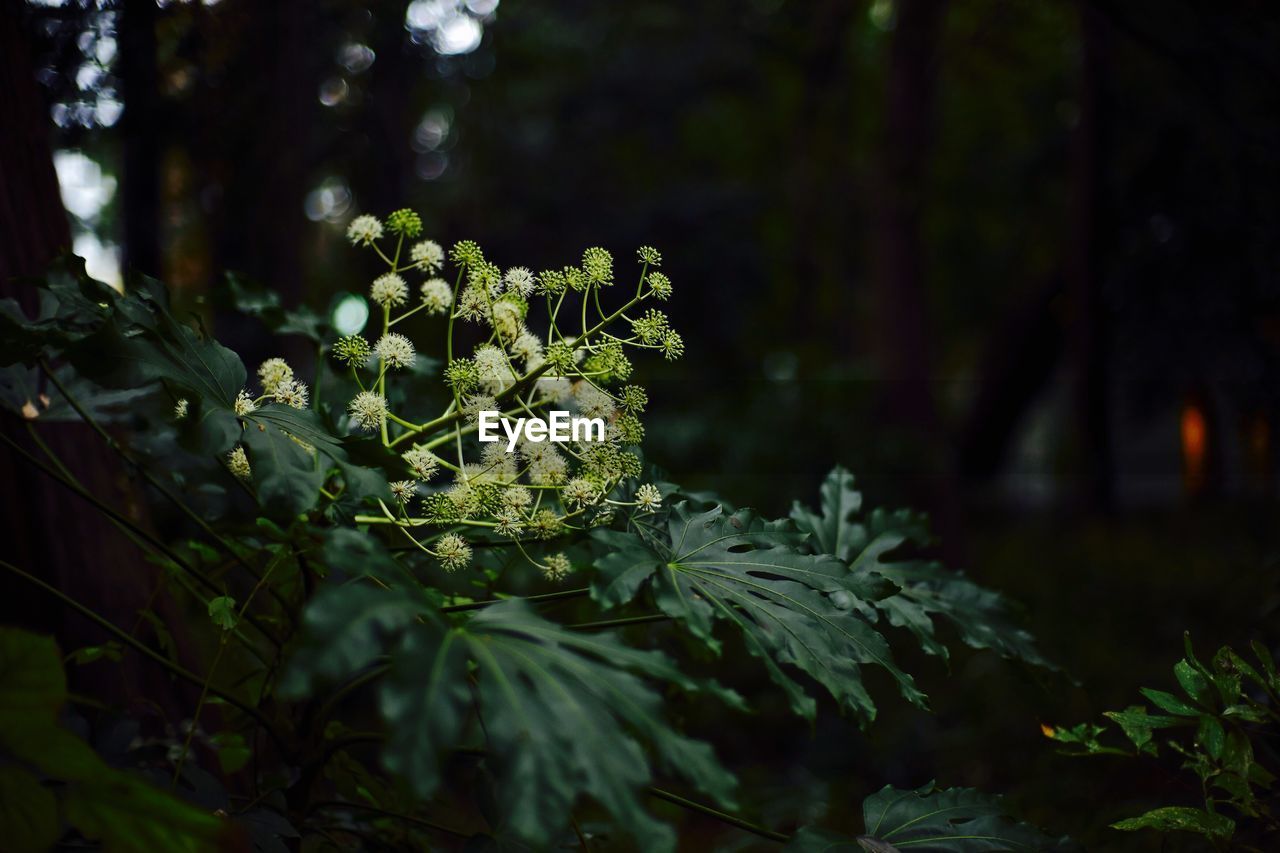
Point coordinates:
[[1179, 818], [1138, 725], [1211, 736], [222, 610], [1168, 702], [1196, 685]]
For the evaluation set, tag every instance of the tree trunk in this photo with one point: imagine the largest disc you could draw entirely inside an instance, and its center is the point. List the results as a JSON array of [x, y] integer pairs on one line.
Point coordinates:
[[50, 532], [1087, 332], [900, 322], [140, 129]]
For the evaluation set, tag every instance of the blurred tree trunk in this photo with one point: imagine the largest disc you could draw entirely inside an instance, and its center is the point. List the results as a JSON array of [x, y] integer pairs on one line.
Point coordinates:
[[50, 532], [140, 131], [33, 224], [900, 321], [1087, 329], [253, 141]]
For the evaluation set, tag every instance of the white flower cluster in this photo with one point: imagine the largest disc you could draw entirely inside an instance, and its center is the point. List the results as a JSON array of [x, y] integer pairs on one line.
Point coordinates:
[[575, 355]]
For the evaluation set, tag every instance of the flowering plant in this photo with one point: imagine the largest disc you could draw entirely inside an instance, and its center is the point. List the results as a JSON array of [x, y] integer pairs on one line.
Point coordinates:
[[392, 598]]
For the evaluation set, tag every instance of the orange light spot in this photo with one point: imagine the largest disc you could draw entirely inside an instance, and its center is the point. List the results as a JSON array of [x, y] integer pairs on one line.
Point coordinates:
[[1047, 730], [1195, 444]]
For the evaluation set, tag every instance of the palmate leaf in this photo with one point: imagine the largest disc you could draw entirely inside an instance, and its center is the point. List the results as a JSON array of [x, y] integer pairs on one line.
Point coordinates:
[[792, 608], [931, 820], [926, 589], [565, 715]]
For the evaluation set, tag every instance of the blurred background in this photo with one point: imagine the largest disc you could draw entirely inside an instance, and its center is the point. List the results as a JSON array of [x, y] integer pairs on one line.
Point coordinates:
[[1014, 262]]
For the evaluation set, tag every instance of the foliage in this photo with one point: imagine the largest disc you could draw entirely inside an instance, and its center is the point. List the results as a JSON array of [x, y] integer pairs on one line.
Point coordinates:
[[931, 819], [50, 777], [1222, 727], [384, 602]]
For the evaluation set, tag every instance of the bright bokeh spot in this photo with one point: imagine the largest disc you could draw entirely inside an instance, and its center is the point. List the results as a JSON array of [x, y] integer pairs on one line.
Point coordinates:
[[350, 315]]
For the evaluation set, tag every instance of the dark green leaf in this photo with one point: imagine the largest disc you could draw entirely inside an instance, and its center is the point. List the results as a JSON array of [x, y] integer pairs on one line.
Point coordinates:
[[952, 820], [926, 589], [1211, 736], [222, 610], [1138, 725], [1196, 685], [28, 812], [1168, 702], [1175, 818], [792, 608]]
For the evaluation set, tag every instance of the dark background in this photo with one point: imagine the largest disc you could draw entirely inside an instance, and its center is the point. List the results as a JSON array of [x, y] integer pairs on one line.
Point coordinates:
[[1016, 262]]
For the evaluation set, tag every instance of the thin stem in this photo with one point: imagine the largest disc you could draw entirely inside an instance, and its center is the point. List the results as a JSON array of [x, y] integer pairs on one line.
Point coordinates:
[[195, 716], [145, 474], [619, 623], [718, 815], [144, 649], [546, 596], [339, 804]]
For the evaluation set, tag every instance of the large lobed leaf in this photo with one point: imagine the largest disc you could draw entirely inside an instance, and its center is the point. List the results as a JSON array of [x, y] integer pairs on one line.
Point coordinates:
[[926, 590], [792, 608], [931, 820], [565, 715]]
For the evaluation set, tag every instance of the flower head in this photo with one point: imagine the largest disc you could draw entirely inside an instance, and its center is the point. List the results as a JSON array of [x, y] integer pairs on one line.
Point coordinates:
[[437, 295], [461, 375], [661, 285], [580, 492], [403, 491], [519, 280], [427, 256], [649, 255], [244, 404], [465, 253], [272, 372], [545, 524], [453, 552], [597, 264], [395, 349], [485, 276], [291, 393], [389, 289], [516, 497], [422, 463], [475, 404], [651, 327], [508, 523], [180, 409], [672, 345], [556, 568], [593, 402], [368, 409], [648, 497], [492, 368], [352, 350], [238, 463], [634, 399], [548, 468], [363, 230], [527, 346], [552, 282], [405, 223]]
